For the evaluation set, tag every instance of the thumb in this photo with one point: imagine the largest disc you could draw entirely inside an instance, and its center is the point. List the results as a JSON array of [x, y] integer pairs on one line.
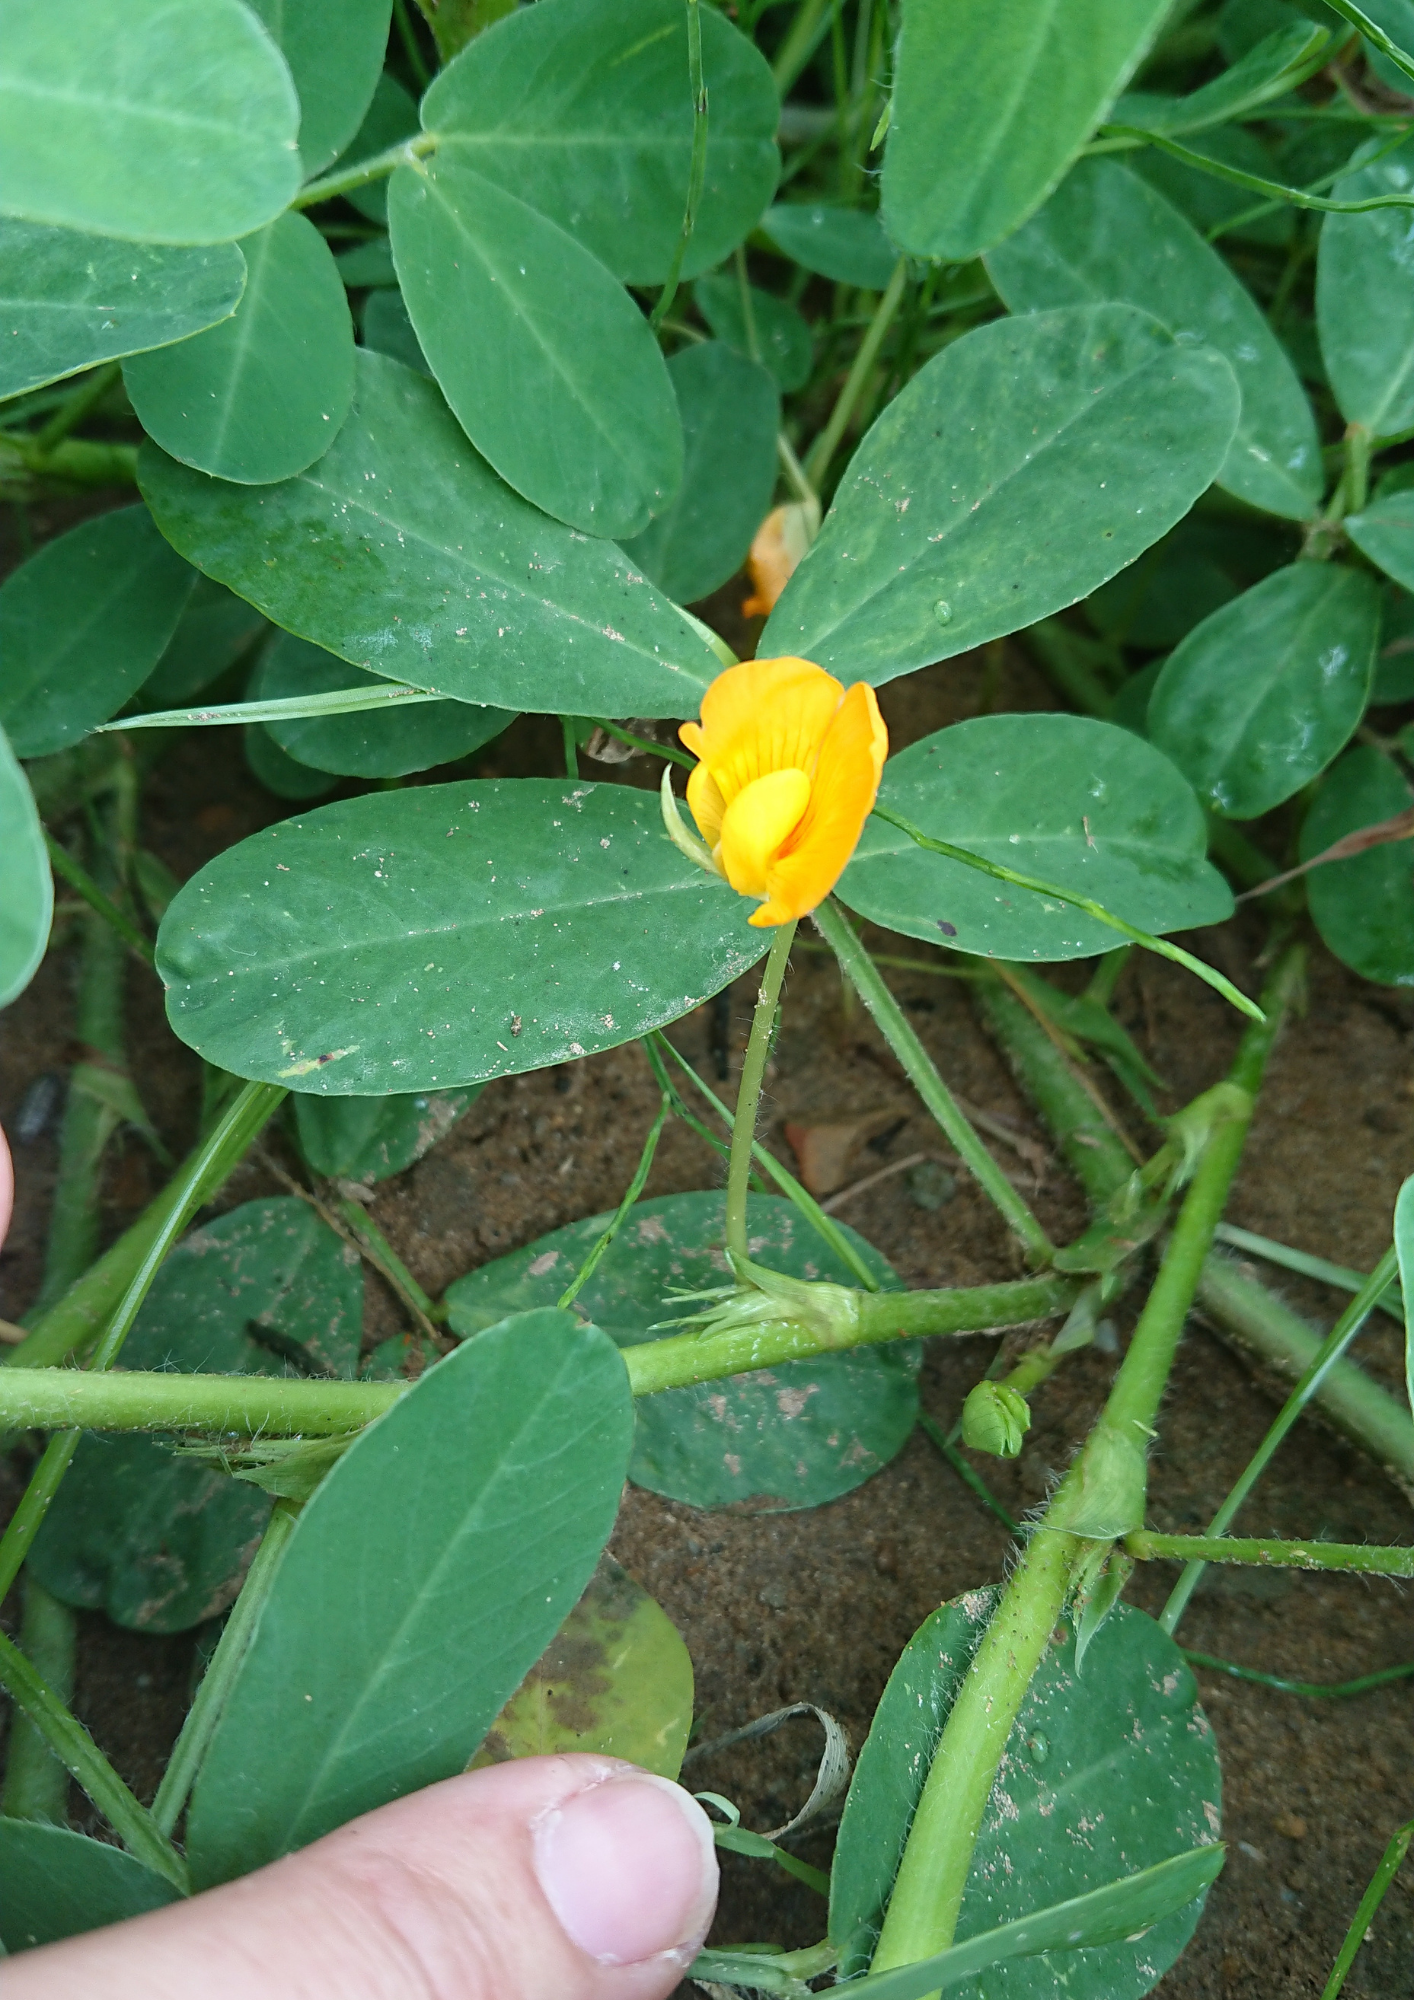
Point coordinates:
[[551, 1878]]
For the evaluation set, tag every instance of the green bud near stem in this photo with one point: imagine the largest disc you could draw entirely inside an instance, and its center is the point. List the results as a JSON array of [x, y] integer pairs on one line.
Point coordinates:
[[995, 1419]]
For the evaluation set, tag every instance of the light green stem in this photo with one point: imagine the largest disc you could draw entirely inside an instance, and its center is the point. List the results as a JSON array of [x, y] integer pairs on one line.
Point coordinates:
[[232, 1135], [927, 1895], [1265, 1331], [1330, 1351], [817, 463], [748, 1097], [79, 879], [36, 1783], [273, 1406], [216, 1683], [1147, 1547], [377, 167], [617, 1220], [697, 166], [79, 1754], [897, 1031]]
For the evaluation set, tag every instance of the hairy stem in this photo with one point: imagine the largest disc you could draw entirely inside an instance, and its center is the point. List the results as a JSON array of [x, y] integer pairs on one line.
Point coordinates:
[[927, 1896], [748, 1097]]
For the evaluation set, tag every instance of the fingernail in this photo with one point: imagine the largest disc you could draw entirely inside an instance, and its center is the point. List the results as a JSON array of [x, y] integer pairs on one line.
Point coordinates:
[[630, 1869]]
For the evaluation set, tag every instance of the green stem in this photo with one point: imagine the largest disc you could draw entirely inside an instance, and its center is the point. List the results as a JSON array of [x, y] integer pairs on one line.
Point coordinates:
[[75, 407], [78, 878], [74, 462], [807, 31], [927, 1894], [571, 747], [1264, 1330], [825, 446], [36, 1783], [1391, 1861], [1313, 1690], [406, 153], [232, 1135], [81, 1756], [1159, 945], [824, 1226], [374, 1245], [937, 1860], [273, 1406], [1331, 1350], [697, 168], [937, 1436], [669, 751], [1357, 468], [748, 1097], [1339, 1275], [631, 1194], [216, 1683], [88, 1122], [897, 1031], [1246, 1315], [73, 1322], [1145, 1546]]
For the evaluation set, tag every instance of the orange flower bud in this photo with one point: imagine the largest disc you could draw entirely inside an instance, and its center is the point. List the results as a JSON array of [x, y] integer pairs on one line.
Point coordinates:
[[789, 768], [781, 541]]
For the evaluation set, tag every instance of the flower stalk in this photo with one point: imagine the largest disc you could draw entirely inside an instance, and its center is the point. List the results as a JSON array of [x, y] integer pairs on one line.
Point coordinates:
[[753, 1073]]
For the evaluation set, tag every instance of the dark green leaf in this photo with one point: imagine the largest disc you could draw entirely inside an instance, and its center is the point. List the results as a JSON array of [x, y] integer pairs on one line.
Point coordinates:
[[1364, 306], [335, 52], [55, 1884], [786, 1437], [422, 1582], [1263, 694], [1394, 669], [585, 112], [730, 413], [442, 935], [68, 300], [265, 393], [784, 344], [1017, 471], [845, 244], [1104, 1774], [212, 633], [1385, 533], [1272, 67], [83, 624], [368, 263], [369, 1138], [388, 330], [391, 116], [1106, 234], [159, 1541], [27, 905], [616, 1680], [1363, 907], [1159, 599], [992, 101], [403, 553], [374, 744], [279, 772], [1079, 803], [163, 121], [556, 334]]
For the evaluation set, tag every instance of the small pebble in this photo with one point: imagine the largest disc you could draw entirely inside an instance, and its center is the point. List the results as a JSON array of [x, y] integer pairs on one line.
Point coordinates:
[[930, 1185], [37, 1108], [1291, 1824]]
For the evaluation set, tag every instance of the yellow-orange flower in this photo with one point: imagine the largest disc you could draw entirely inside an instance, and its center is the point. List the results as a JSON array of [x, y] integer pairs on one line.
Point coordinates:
[[789, 767]]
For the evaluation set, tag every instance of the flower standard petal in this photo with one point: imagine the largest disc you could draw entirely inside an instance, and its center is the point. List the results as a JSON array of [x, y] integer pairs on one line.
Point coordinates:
[[759, 717]]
